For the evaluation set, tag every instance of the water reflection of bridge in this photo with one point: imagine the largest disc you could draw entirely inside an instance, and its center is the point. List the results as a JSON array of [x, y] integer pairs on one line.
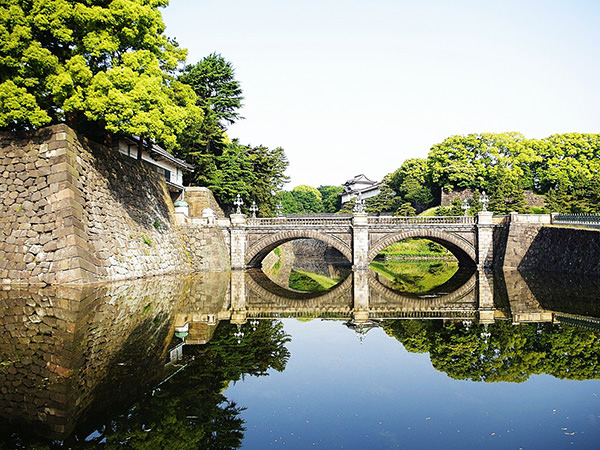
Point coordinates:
[[481, 297], [361, 296]]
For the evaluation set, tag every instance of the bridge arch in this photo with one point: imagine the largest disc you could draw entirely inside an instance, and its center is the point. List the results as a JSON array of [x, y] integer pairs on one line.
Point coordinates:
[[461, 248], [265, 245]]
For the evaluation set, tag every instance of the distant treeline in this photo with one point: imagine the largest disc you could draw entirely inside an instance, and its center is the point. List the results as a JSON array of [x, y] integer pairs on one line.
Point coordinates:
[[564, 168]]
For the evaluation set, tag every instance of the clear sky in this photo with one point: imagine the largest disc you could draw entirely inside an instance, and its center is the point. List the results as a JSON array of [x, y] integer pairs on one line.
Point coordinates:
[[350, 87]]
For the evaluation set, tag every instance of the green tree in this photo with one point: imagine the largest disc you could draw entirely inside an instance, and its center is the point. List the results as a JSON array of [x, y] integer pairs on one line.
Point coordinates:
[[507, 193], [412, 182], [308, 198], [189, 410], [469, 161], [502, 351], [565, 156], [302, 199], [255, 173], [108, 63], [288, 202], [213, 81], [348, 207], [268, 167], [593, 195], [475, 203], [219, 95], [454, 209], [388, 202], [331, 198]]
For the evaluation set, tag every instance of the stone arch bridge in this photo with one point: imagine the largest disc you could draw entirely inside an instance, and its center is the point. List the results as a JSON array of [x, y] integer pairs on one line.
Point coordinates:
[[360, 237]]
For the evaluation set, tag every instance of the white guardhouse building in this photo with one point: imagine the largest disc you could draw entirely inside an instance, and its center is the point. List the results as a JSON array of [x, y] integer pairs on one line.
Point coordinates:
[[170, 167], [360, 184]]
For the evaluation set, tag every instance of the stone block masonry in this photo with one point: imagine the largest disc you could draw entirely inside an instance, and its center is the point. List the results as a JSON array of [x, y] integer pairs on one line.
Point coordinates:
[[200, 198], [532, 243], [564, 249], [75, 212]]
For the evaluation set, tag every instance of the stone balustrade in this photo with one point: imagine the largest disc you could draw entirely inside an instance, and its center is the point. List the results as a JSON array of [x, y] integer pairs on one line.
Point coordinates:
[[433, 220], [299, 221]]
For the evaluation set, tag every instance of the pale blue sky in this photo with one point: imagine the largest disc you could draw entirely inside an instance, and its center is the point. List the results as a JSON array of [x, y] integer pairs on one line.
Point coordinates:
[[350, 87]]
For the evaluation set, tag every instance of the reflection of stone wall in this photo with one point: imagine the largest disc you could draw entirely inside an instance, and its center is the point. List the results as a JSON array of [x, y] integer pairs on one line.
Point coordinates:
[[576, 294], [67, 352], [204, 300], [72, 211], [524, 306], [36, 354]]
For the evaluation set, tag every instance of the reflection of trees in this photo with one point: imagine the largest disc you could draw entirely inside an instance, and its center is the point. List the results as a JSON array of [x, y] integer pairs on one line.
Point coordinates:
[[502, 351], [261, 348], [411, 276], [188, 410]]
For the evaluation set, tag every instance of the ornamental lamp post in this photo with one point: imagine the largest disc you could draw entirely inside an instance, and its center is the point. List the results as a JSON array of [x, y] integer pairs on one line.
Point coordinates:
[[253, 209], [465, 206], [359, 206], [238, 202], [239, 334], [484, 201]]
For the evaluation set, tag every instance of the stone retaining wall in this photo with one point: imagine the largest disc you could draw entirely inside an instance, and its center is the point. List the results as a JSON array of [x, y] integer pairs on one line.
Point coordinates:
[[530, 242], [74, 212], [531, 199], [206, 248], [199, 198], [558, 249], [513, 243]]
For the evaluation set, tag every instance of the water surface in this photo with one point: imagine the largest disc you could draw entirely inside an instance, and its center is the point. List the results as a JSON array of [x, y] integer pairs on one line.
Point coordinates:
[[502, 360]]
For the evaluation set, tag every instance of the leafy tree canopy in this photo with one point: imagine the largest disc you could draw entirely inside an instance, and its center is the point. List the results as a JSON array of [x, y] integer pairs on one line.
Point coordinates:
[[255, 173], [330, 195], [469, 161], [308, 198], [387, 202], [213, 81], [105, 62], [502, 352], [412, 182], [219, 95], [301, 199]]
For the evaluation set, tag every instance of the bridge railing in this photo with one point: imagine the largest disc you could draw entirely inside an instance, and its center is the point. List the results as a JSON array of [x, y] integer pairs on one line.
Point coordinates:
[[334, 220], [589, 220], [300, 221], [422, 220]]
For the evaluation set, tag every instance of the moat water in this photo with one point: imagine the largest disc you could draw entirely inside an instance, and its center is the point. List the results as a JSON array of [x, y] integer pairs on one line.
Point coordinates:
[[468, 360]]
